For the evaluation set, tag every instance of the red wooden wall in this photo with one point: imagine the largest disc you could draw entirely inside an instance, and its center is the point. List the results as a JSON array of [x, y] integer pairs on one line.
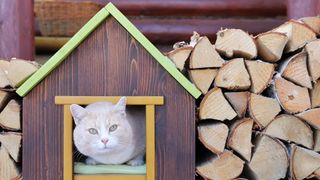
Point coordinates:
[[167, 21], [16, 29], [302, 8]]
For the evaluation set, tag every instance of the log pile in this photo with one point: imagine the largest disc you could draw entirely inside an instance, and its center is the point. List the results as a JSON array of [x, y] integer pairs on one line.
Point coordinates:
[[259, 115], [12, 74]]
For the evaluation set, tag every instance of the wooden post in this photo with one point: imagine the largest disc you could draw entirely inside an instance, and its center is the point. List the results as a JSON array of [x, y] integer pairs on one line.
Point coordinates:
[[17, 29], [300, 8]]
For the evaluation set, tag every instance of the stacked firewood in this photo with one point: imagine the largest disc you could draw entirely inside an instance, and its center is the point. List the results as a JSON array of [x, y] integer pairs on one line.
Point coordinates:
[[259, 116], [12, 74]]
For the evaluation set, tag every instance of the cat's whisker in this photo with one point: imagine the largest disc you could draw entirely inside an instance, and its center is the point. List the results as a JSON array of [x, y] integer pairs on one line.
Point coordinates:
[[77, 155]]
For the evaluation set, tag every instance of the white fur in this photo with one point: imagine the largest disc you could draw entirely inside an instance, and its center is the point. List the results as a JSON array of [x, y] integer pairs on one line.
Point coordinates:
[[125, 144]]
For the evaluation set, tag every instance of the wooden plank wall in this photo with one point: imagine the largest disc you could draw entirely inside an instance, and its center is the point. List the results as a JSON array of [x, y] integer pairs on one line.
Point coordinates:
[[248, 8], [167, 21], [301, 8], [16, 29]]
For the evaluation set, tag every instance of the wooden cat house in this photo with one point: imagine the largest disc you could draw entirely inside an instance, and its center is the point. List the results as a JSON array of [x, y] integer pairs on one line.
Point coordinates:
[[106, 59]]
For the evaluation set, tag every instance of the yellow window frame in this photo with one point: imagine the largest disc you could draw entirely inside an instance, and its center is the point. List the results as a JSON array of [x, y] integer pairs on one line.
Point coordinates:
[[149, 101]]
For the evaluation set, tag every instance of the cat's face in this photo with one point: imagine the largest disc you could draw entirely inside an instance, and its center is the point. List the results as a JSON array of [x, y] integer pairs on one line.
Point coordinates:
[[102, 128]]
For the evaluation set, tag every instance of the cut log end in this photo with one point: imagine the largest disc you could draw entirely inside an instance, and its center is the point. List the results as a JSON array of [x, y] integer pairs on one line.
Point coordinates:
[[239, 101], [20, 70], [269, 160], [313, 23], [313, 50], [299, 34], [8, 169], [179, 56], [293, 98], [235, 43], [225, 166], [215, 106], [312, 117], [204, 55], [290, 128], [213, 136], [240, 137], [203, 78], [12, 142], [10, 116], [233, 76], [317, 173], [303, 162], [271, 45], [261, 74], [4, 97], [295, 69], [315, 95], [317, 141], [263, 109]]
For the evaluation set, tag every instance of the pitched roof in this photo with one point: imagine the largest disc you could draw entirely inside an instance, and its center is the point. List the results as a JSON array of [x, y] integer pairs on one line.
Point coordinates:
[[81, 35]]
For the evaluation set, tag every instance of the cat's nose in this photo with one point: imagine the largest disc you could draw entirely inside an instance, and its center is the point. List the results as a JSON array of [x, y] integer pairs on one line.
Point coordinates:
[[104, 141]]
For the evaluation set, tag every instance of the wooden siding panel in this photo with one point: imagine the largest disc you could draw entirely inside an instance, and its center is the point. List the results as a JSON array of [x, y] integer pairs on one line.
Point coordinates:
[[302, 8], [16, 29], [197, 8]]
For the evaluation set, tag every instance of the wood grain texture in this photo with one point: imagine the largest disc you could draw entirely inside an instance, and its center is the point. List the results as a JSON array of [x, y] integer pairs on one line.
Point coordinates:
[[183, 28], [132, 100], [67, 143], [109, 63], [215, 106], [196, 8], [260, 74], [239, 101], [213, 136], [292, 129], [301, 8], [233, 43], [150, 144], [269, 159], [16, 29], [169, 21], [240, 137], [171, 30], [303, 162]]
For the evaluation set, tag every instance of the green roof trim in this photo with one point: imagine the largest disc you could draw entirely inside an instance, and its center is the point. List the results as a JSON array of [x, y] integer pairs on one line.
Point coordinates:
[[56, 59], [60, 55]]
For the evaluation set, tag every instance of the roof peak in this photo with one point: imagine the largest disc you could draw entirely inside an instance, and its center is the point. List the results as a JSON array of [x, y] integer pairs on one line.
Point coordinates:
[[82, 34]]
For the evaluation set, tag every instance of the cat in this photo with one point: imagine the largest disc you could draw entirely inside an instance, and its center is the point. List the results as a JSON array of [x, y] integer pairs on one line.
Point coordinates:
[[110, 134]]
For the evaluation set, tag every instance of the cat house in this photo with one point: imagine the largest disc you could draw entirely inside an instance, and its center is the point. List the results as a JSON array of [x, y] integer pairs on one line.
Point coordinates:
[[108, 58]]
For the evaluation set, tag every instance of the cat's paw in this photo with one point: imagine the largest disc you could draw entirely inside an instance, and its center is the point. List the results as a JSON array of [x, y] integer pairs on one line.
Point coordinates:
[[136, 162], [90, 161]]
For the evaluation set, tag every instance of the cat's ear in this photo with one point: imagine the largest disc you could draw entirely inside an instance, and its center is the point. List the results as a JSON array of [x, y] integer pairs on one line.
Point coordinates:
[[120, 107], [77, 112]]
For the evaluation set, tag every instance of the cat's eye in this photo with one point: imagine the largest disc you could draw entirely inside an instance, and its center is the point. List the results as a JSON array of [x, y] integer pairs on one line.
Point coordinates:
[[93, 131], [113, 127]]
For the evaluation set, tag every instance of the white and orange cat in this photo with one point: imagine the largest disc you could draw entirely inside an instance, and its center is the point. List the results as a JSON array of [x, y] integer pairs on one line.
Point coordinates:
[[110, 134]]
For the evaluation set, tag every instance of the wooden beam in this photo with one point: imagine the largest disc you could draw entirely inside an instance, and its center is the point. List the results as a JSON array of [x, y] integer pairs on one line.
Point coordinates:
[[16, 29], [169, 31], [169, 21], [176, 30], [131, 100], [301, 8], [251, 8]]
